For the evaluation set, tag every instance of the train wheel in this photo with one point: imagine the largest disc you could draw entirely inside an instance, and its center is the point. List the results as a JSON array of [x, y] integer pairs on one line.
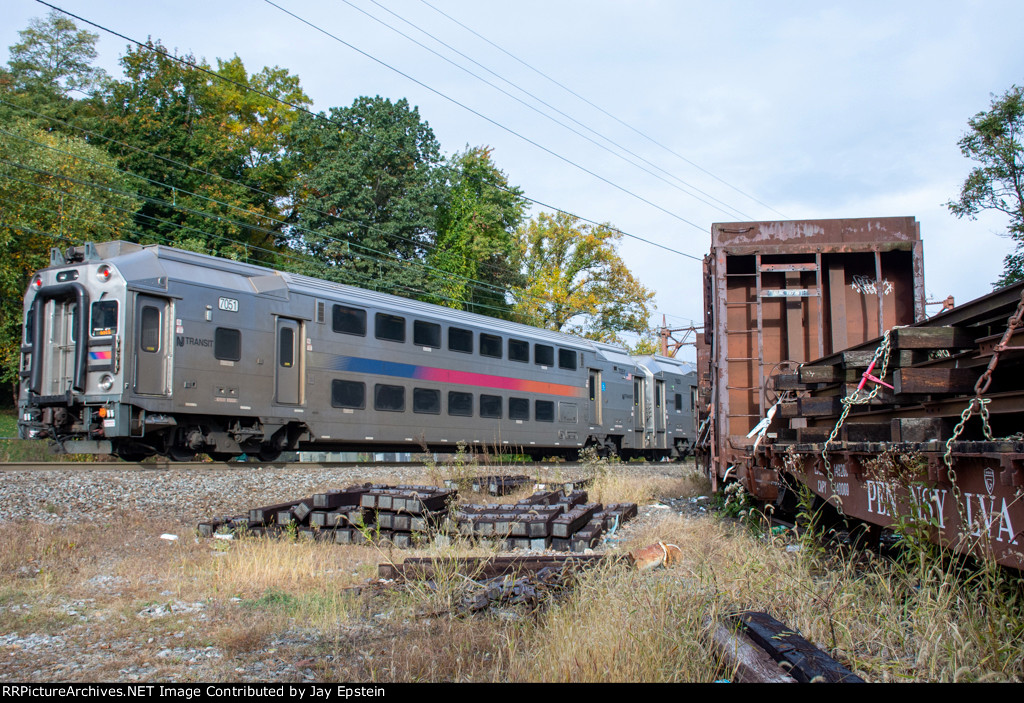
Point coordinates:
[[179, 453], [268, 453]]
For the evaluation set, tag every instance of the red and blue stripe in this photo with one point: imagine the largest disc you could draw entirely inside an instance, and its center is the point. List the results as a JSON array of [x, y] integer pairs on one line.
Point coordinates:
[[376, 367]]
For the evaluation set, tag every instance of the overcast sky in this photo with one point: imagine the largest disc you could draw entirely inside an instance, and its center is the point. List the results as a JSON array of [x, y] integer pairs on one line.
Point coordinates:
[[816, 110]]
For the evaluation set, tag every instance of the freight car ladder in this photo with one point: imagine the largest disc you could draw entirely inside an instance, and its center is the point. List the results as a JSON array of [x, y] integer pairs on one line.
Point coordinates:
[[739, 340]]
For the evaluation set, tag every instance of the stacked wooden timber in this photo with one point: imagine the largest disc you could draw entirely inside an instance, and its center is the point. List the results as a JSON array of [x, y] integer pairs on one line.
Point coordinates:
[[933, 434], [406, 514]]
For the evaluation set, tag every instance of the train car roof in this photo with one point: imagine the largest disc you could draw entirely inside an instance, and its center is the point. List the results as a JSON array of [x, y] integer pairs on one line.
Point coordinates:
[[144, 264]]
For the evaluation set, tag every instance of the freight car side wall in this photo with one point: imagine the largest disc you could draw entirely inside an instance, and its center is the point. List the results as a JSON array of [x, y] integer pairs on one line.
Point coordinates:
[[778, 294]]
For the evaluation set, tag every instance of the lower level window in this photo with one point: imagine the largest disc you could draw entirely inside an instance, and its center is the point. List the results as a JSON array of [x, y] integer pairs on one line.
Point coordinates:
[[490, 406], [426, 400], [460, 404], [348, 394], [544, 411], [389, 398]]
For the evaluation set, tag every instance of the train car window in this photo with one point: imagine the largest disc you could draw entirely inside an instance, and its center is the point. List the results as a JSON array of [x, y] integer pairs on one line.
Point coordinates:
[[104, 318], [543, 355], [286, 347], [389, 327], [679, 402], [490, 406], [150, 332], [227, 344], [390, 398], [346, 320], [518, 409], [490, 345], [426, 401], [460, 404], [544, 411], [567, 359], [426, 334], [518, 350], [460, 340], [348, 394]]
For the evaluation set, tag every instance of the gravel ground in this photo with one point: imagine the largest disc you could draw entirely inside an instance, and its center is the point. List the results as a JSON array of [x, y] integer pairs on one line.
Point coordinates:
[[192, 496]]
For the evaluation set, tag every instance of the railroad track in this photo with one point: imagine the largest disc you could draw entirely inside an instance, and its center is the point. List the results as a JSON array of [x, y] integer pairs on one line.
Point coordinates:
[[164, 465]]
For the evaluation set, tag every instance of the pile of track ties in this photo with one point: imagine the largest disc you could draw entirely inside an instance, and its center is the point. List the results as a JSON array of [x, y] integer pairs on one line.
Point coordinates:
[[408, 515]]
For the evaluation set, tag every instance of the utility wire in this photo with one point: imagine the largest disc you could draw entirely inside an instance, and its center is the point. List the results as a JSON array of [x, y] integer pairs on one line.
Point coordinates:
[[325, 118], [548, 116], [602, 110], [482, 116]]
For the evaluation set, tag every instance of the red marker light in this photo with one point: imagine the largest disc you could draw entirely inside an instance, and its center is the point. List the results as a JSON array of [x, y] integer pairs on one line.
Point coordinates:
[[37, 282], [103, 273]]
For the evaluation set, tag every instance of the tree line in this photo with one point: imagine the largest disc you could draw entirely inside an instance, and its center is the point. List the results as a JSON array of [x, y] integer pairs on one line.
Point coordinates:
[[215, 159]]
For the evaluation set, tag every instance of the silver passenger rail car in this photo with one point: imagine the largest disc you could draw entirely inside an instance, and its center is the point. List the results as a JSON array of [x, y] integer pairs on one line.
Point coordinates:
[[140, 350]]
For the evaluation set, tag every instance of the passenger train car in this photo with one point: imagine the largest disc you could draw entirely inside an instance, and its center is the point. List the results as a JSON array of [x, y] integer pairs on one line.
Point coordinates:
[[141, 350]]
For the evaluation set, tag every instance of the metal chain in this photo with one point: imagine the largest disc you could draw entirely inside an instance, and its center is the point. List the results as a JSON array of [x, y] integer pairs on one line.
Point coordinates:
[[883, 351], [982, 385]]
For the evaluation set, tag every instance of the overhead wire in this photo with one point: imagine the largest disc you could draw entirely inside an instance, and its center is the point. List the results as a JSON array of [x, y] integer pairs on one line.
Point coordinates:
[[324, 117], [602, 110], [548, 116]]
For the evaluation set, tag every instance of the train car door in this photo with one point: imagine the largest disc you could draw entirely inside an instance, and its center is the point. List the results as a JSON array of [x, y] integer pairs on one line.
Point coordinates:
[[594, 385], [61, 345], [151, 345], [288, 369], [660, 414], [639, 407]]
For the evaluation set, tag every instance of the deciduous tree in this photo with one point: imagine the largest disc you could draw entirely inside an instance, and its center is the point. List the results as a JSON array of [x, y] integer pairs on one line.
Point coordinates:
[[167, 116], [474, 258], [576, 280], [367, 189], [55, 191], [997, 183]]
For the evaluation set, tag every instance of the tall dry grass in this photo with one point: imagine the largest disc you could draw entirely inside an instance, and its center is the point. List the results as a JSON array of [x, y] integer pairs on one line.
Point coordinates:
[[293, 607]]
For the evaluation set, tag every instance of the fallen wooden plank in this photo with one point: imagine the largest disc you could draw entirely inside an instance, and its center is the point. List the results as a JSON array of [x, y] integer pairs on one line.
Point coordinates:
[[751, 663], [804, 661]]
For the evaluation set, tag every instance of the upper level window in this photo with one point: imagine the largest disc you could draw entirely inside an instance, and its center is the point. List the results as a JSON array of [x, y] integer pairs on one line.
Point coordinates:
[[389, 327], [460, 340], [567, 359], [490, 345], [518, 350], [348, 320], [543, 355], [426, 334]]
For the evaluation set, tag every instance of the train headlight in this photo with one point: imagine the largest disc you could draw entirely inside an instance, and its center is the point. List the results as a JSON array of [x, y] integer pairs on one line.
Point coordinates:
[[103, 273], [106, 382]]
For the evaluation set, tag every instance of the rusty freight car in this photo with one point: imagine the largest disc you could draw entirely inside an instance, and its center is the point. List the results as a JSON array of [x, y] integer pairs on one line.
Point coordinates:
[[779, 294], [818, 367]]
